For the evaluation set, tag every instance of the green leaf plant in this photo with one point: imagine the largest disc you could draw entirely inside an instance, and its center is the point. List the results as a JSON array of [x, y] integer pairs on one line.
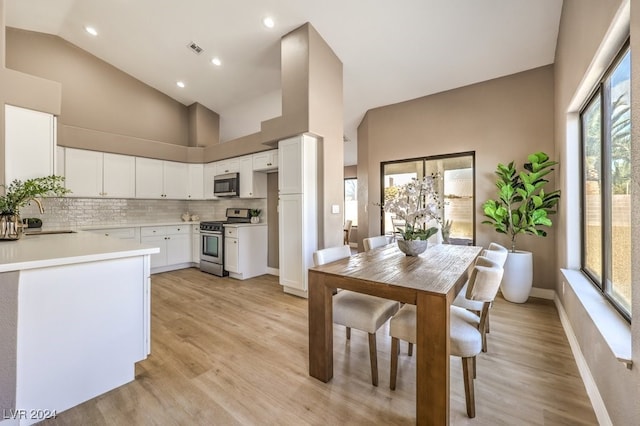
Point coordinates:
[[522, 206]]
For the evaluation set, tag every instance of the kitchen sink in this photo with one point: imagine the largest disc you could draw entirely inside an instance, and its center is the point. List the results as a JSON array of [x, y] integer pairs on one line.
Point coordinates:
[[37, 232]]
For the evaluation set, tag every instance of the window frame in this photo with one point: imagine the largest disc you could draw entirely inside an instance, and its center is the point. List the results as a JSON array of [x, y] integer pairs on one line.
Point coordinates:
[[606, 195]]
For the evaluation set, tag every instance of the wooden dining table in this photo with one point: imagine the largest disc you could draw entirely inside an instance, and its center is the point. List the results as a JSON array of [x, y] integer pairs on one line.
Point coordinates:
[[430, 281]]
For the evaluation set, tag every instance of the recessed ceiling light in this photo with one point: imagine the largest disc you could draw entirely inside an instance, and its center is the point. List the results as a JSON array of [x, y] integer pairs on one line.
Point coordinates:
[[91, 31], [268, 22], [180, 84], [216, 61]]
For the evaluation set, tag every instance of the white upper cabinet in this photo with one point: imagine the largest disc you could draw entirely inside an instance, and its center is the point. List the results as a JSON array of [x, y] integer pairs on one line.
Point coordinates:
[[265, 161], [176, 180], [209, 173], [118, 176], [231, 165], [290, 166], [196, 182], [149, 178], [83, 172], [97, 174], [161, 179], [252, 184], [30, 143]]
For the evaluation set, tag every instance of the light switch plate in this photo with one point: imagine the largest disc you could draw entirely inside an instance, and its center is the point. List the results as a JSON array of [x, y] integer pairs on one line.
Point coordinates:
[[335, 208]]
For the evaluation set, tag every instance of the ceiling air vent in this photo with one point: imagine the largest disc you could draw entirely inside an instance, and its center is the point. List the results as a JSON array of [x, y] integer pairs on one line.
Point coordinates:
[[195, 48]]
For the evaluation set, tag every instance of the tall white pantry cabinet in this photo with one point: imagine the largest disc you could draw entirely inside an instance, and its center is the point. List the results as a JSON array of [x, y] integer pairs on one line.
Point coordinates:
[[30, 144], [297, 207]]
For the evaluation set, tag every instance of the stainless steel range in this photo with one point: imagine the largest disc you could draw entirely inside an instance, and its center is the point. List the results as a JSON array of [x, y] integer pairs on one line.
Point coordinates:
[[212, 241]]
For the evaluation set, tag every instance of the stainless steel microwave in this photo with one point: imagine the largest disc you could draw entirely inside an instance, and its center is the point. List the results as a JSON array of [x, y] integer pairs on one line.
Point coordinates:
[[227, 185]]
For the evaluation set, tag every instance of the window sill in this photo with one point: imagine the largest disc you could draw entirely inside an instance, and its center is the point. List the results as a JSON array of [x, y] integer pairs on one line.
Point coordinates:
[[613, 328]]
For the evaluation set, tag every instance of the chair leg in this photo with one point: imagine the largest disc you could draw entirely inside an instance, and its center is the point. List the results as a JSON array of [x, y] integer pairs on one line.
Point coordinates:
[[393, 374], [410, 350], [474, 366], [487, 324], [467, 367], [348, 333], [373, 355], [483, 332]]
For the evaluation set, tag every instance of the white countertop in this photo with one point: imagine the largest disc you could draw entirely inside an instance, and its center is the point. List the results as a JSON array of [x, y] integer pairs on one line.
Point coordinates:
[[241, 225], [41, 251], [136, 225]]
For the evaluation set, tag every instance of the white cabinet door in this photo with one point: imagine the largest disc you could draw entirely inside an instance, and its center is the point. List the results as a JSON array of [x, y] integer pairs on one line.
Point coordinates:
[[157, 259], [83, 173], [195, 244], [30, 143], [178, 248], [209, 173], [290, 166], [252, 184], [59, 161], [119, 176], [149, 178], [231, 165], [196, 182], [292, 267], [176, 180], [265, 161], [231, 255]]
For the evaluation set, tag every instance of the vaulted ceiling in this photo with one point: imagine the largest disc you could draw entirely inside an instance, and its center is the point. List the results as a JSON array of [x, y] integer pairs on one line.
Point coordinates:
[[392, 51]]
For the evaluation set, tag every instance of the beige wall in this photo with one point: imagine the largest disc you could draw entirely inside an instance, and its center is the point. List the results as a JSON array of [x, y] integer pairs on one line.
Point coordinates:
[[501, 120], [583, 27], [204, 126], [273, 226]]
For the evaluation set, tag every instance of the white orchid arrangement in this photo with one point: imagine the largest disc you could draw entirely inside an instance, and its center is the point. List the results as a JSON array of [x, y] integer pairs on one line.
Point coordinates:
[[417, 203]]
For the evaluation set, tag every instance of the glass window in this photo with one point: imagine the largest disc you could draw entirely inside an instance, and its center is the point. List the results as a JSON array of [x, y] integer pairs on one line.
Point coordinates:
[[351, 200], [457, 191], [606, 178]]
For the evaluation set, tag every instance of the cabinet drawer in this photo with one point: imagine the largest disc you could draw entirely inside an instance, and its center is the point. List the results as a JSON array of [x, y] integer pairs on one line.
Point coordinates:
[[231, 232], [150, 231], [122, 233], [178, 229]]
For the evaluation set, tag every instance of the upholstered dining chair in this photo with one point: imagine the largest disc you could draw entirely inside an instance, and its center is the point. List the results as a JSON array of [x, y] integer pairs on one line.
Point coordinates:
[[465, 338], [347, 231], [356, 310], [498, 254], [374, 242]]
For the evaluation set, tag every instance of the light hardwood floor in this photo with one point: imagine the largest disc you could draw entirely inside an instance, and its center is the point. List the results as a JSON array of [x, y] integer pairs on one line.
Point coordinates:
[[230, 352]]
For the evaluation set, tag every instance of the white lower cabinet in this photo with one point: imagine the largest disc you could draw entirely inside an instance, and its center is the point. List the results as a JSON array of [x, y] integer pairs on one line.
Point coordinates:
[[195, 244], [175, 246], [245, 250]]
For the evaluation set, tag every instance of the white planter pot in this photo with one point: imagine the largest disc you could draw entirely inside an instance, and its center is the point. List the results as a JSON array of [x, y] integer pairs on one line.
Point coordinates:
[[518, 276]]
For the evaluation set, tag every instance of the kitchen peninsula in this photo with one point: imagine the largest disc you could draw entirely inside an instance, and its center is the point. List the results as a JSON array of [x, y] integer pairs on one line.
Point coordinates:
[[74, 320]]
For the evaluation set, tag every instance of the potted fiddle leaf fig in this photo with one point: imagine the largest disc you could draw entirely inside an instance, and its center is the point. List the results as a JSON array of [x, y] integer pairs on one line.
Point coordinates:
[[522, 207]]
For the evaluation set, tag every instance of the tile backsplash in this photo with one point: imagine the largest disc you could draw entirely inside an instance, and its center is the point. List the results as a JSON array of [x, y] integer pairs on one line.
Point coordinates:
[[78, 212]]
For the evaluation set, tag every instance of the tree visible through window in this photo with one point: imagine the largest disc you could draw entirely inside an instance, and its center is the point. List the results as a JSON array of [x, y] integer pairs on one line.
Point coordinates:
[[606, 178]]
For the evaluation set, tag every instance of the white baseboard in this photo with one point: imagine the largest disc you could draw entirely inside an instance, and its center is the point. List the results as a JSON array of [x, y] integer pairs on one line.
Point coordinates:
[[295, 292], [543, 293], [597, 402], [273, 271], [353, 245]]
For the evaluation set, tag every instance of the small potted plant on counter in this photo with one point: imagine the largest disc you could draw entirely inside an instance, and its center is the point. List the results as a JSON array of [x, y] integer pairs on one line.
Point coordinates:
[[255, 215], [18, 194]]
